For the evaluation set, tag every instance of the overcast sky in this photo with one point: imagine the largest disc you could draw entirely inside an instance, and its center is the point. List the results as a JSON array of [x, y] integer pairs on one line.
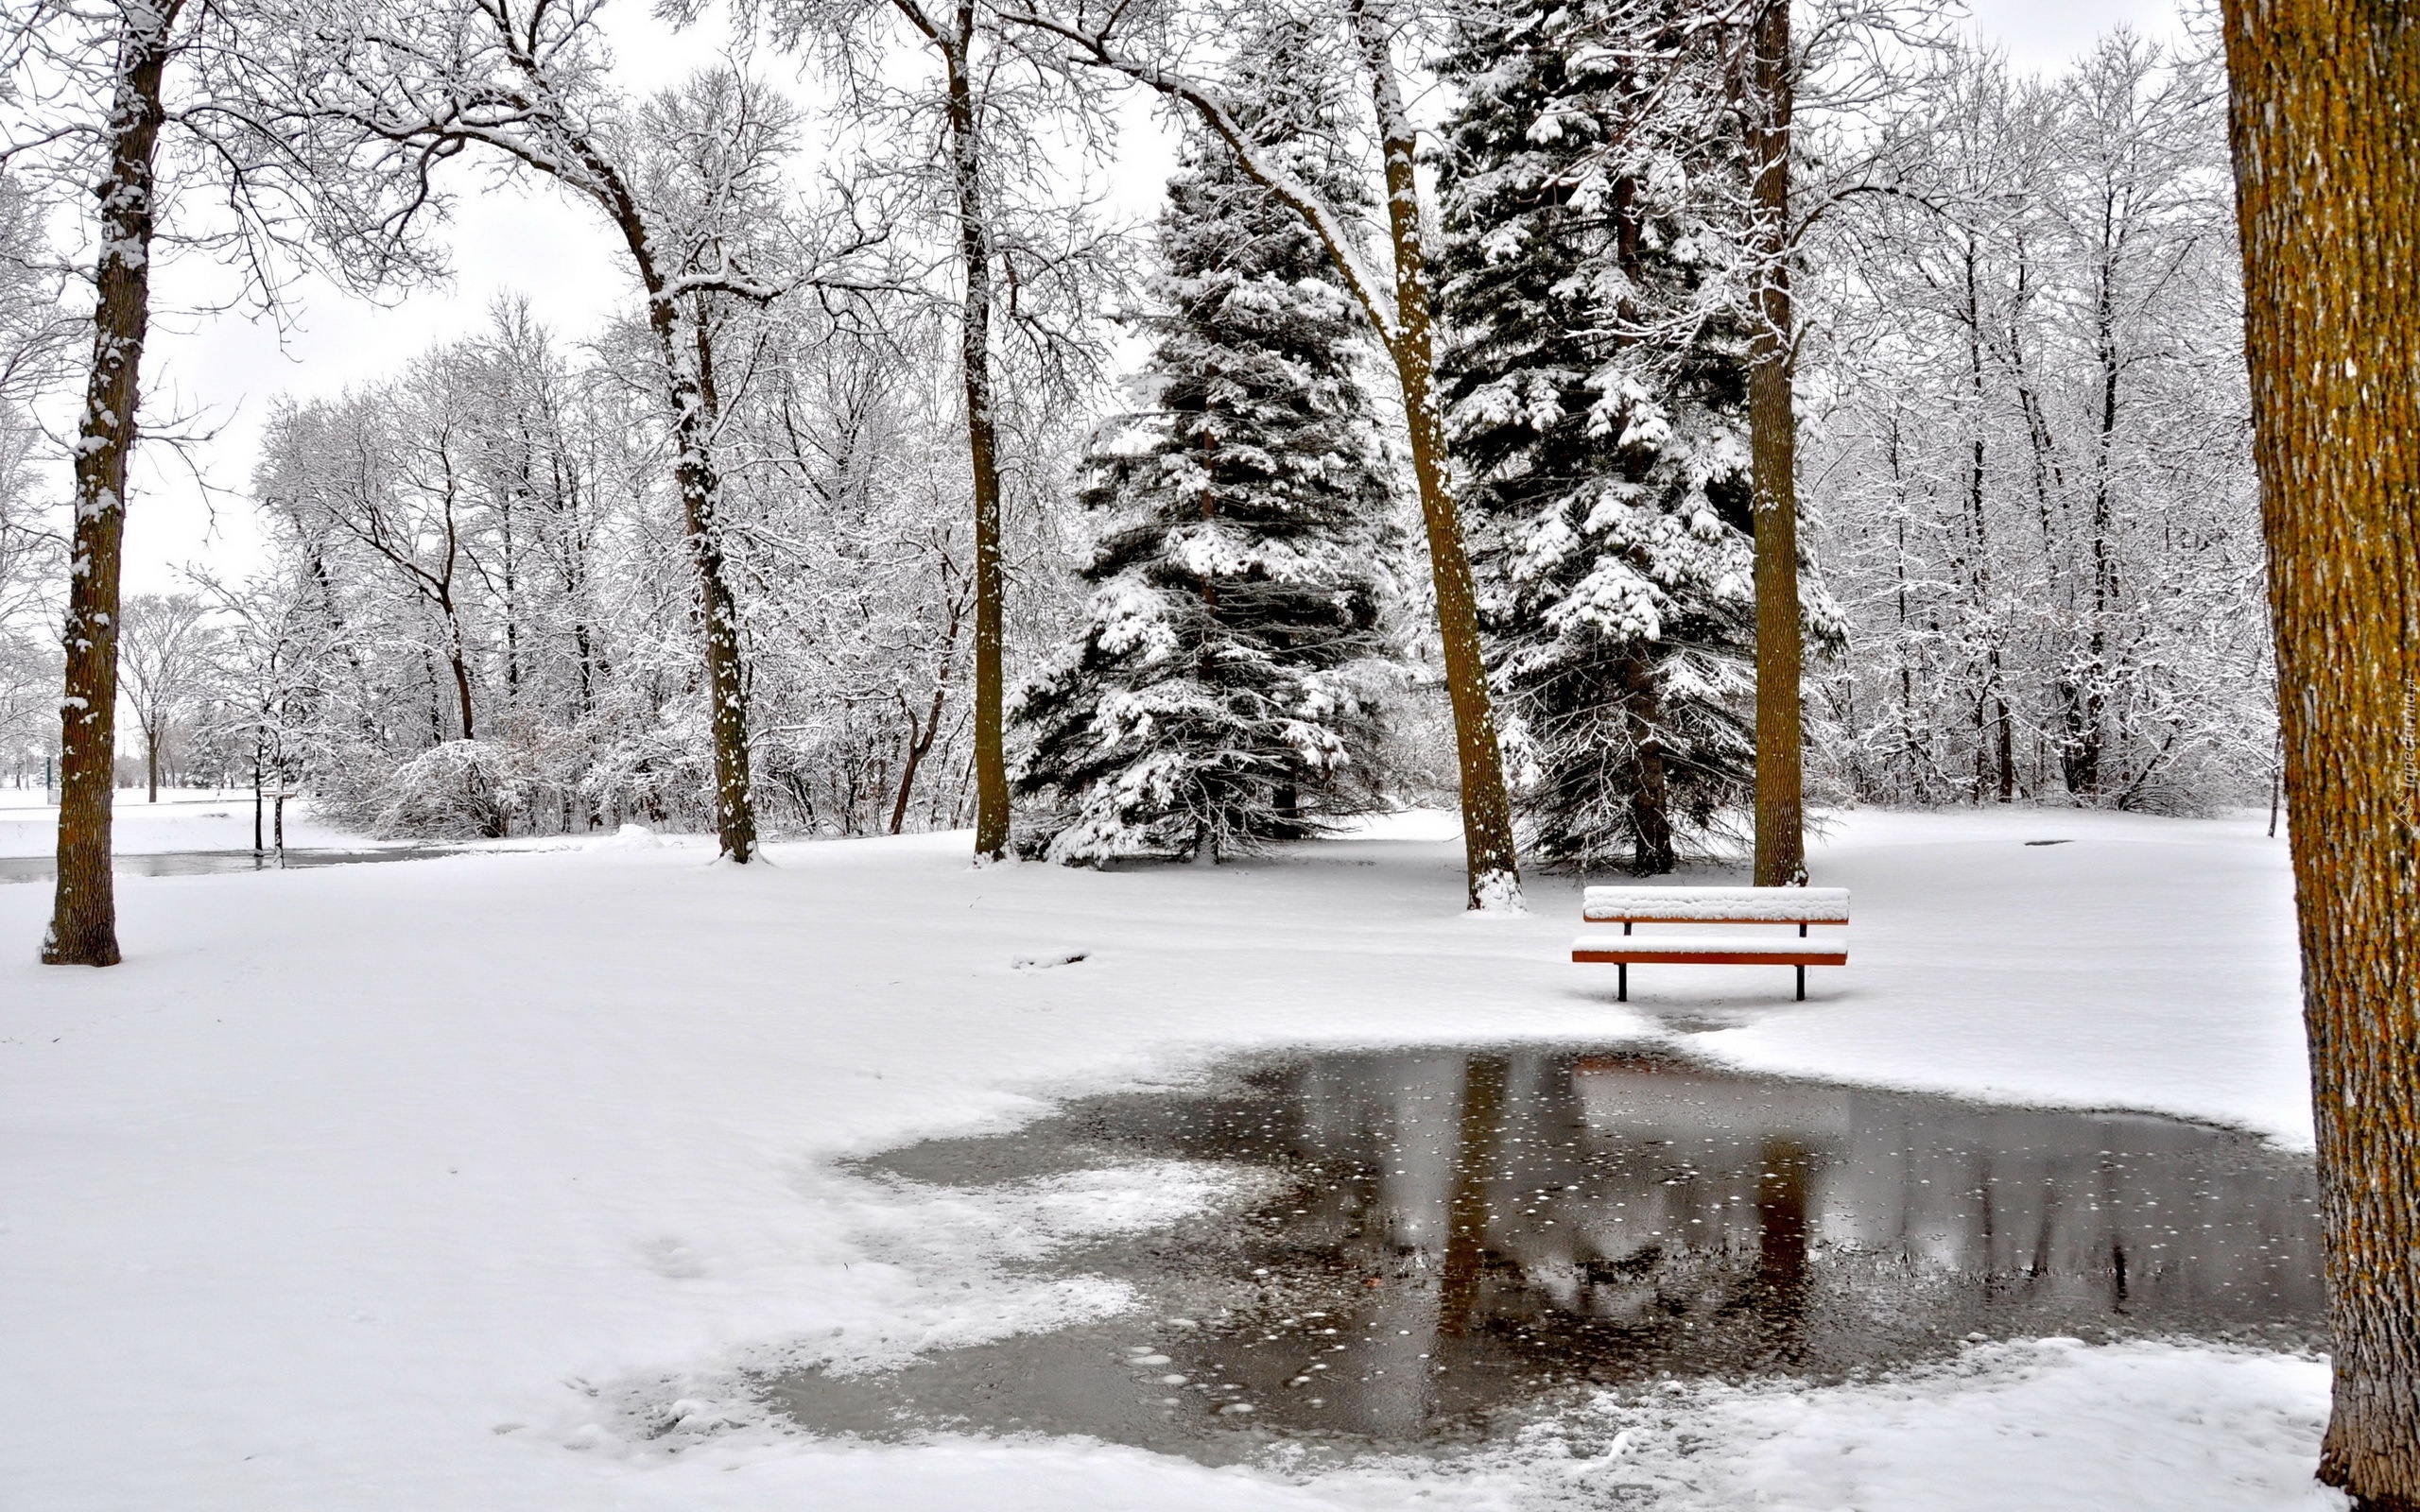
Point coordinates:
[[532, 243]]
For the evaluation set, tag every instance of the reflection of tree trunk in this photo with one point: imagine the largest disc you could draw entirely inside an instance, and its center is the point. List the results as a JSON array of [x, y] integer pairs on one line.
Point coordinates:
[[1466, 1226], [1408, 1240], [1780, 1245]]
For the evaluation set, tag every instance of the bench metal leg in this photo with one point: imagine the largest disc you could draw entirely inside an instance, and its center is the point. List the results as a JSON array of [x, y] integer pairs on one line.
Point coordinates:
[[1802, 984], [1623, 967]]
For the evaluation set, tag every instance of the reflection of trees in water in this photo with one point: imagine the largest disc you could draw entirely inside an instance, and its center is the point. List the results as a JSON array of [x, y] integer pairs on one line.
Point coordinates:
[[1525, 1215], [1460, 1233]]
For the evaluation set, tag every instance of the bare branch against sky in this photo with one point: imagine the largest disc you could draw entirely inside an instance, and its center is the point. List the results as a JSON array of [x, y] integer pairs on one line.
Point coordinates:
[[229, 369]]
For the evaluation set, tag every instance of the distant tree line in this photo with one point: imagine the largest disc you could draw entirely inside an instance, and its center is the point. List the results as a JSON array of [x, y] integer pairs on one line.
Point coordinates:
[[724, 564]]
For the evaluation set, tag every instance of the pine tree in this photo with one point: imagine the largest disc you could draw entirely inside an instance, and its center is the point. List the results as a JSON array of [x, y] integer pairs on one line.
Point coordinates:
[[1596, 388], [1224, 692]]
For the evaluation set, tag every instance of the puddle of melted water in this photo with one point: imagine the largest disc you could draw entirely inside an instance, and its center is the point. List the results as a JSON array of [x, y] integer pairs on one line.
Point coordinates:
[[1460, 1239]]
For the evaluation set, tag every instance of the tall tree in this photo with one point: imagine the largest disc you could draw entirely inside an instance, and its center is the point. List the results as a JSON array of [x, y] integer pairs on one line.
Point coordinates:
[[143, 36], [2327, 134], [1221, 694], [1401, 308], [129, 100], [690, 185], [1768, 90], [1596, 397], [986, 159]]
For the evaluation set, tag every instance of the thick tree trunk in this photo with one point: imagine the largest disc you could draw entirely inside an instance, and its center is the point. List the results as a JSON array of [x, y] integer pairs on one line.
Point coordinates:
[[1781, 837], [83, 926], [982, 445], [2326, 132], [151, 763], [1491, 864]]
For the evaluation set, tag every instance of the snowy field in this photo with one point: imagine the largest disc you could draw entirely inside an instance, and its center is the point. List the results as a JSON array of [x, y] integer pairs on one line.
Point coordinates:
[[473, 1183]]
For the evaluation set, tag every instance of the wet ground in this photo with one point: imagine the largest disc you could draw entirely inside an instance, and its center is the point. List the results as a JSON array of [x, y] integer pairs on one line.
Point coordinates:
[[212, 863], [1459, 1240]]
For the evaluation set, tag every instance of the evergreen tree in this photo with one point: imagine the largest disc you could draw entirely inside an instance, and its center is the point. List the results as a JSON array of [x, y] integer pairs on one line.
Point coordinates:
[[1597, 388], [1224, 691]]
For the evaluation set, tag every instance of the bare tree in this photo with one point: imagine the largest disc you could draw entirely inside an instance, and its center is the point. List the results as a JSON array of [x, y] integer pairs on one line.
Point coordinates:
[[268, 671], [165, 657], [94, 95], [690, 185], [970, 148], [139, 37], [1149, 48], [34, 331], [2328, 173], [2032, 472]]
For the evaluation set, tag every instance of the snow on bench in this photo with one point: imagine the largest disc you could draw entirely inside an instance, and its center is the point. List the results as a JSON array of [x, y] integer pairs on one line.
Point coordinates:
[[1716, 905], [1627, 906]]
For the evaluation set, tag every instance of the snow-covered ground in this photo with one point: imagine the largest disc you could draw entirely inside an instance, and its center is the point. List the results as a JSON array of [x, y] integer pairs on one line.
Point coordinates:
[[469, 1183], [184, 819]]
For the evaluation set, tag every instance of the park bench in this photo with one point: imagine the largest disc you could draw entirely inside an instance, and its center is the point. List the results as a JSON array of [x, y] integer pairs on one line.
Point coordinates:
[[1627, 906]]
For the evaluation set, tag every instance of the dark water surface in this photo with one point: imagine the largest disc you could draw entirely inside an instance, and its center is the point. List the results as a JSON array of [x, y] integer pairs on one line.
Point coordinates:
[[212, 863], [1461, 1238]]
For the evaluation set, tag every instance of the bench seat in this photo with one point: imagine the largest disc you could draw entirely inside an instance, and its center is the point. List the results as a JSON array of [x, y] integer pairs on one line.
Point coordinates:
[[1712, 950]]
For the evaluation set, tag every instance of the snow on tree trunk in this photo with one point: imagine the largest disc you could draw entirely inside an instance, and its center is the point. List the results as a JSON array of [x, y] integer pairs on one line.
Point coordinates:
[[2328, 168], [84, 926], [726, 677]]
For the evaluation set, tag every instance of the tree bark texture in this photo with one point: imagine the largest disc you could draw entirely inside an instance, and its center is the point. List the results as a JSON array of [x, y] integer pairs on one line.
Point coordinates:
[[1652, 850], [982, 445], [700, 486], [726, 677], [2327, 135], [1780, 819], [1492, 862], [84, 924]]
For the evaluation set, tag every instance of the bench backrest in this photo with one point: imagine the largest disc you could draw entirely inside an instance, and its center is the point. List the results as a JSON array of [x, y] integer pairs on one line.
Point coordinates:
[[1716, 905]]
